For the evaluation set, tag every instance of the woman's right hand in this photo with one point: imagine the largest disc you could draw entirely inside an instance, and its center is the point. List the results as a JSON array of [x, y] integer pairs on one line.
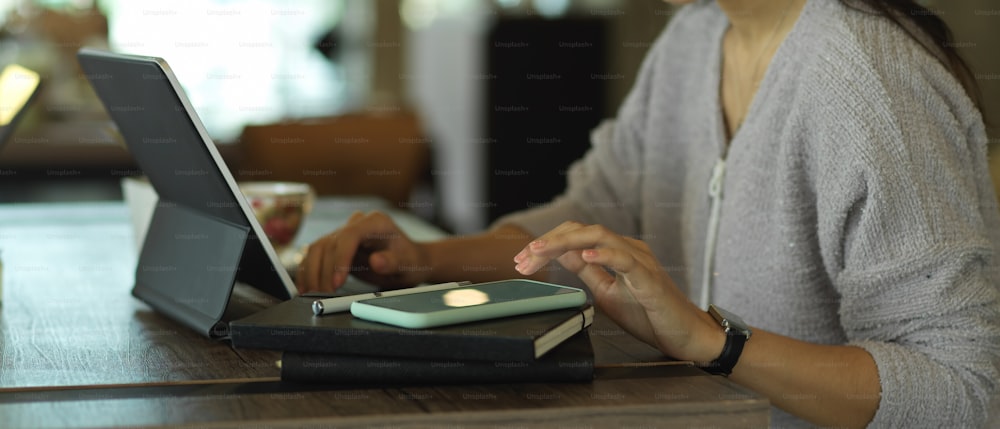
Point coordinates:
[[369, 246]]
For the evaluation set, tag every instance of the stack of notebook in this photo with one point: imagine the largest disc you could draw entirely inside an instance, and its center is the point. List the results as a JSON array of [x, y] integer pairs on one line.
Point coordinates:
[[339, 348]]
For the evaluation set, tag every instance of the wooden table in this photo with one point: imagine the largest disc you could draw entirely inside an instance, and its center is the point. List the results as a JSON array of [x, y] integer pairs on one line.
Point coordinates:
[[77, 350]]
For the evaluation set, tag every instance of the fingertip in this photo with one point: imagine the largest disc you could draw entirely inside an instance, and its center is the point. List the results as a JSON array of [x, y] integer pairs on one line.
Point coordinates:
[[337, 280], [377, 262], [355, 215], [524, 268], [381, 263]]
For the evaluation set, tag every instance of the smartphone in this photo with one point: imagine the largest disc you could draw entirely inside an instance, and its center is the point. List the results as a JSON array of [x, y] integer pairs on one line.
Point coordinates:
[[468, 304]]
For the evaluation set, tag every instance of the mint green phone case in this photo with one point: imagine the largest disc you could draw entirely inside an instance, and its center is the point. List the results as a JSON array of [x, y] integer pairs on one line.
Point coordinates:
[[468, 304]]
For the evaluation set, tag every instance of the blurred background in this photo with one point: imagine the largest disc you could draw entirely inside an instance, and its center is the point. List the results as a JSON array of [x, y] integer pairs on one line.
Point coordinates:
[[458, 110]]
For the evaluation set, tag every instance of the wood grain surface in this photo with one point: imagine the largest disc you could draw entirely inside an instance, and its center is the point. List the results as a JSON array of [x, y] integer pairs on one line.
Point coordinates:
[[77, 350], [667, 396]]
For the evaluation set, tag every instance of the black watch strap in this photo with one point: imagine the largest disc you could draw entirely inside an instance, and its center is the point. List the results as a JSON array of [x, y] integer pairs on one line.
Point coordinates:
[[737, 335], [724, 364]]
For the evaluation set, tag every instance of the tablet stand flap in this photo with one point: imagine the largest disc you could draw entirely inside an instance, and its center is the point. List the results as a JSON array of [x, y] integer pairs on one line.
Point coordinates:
[[188, 265]]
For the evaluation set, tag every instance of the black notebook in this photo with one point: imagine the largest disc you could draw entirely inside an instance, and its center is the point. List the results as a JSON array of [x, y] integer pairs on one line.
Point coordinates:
[[291, 326], [571, 361]]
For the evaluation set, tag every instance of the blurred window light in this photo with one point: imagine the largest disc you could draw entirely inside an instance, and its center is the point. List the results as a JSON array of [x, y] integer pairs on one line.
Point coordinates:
[[249, 61], [417, 14], [551, 8], [452, 8], [17, 84], [5, 7], [508, 4], [64, 4]]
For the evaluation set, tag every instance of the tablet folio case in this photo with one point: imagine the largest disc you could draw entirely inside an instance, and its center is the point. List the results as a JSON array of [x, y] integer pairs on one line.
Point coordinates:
[[200, 241]]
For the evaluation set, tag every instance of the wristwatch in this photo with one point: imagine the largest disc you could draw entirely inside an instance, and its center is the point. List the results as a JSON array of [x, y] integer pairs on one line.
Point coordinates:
[[737, 334]]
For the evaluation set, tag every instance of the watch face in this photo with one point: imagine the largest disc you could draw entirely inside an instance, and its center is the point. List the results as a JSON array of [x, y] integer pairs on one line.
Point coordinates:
[[729, 321]]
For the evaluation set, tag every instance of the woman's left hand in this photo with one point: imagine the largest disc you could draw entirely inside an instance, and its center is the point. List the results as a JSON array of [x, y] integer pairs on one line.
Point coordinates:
[[637, 293]]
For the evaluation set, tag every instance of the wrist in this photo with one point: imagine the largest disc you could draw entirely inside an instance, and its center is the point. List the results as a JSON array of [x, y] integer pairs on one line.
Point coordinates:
[[426, 254], [710, 341]]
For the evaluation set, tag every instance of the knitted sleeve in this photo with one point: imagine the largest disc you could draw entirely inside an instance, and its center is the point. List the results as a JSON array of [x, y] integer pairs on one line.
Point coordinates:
[[910, 226]]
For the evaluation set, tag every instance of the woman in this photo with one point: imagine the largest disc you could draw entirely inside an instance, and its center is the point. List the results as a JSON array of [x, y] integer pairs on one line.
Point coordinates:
[[812, 166]]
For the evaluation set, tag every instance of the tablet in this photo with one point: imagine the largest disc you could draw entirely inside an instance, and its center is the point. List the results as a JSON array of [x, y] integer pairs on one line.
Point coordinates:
[[468, 304], [203, 237]]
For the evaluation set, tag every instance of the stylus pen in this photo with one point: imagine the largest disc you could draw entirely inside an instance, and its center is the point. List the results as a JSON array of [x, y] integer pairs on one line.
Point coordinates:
[[343, 303]]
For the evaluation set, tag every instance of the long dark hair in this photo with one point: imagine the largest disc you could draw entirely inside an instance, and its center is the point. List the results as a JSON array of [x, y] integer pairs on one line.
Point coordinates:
[[931, 31]]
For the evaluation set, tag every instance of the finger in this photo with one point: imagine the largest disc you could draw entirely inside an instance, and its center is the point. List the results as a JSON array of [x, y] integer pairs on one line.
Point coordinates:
[[616, 301], [631, 273], [640, 274], [620, 260], [524, 258], [329, 259], [565, 226], [328, 273], [354, 217], [308, 274], [605, 287], [300, 273], [383, 262], [362, 227], [337, 260], [572, 262], [300, 276], [550, 246], [597, 279]]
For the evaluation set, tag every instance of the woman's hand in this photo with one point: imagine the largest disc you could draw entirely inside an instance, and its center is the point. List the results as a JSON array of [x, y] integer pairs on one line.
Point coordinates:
[[636, 293], [369, 246]]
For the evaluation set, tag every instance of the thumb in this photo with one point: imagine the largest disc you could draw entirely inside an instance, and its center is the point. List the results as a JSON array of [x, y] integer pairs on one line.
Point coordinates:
[[383, 262]]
